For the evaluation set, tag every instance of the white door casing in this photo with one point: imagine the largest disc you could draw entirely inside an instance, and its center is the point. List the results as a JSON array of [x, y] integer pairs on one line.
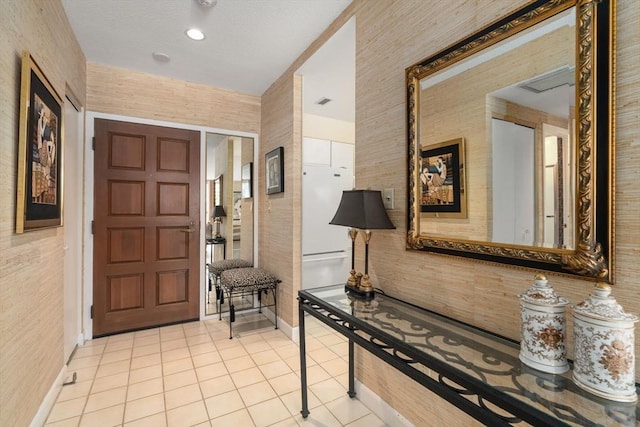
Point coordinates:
[[72, 223]]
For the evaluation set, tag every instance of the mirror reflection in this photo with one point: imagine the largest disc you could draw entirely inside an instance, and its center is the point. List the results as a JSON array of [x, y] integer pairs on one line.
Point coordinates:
[[229, 227], [510, 141], [513, 104]]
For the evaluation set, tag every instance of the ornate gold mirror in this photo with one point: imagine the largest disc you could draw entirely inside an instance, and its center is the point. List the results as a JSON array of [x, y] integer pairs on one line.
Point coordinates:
[[510, 141]]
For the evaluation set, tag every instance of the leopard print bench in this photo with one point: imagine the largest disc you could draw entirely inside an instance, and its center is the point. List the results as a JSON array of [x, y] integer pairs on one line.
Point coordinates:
[[240, 281], [215, 270]]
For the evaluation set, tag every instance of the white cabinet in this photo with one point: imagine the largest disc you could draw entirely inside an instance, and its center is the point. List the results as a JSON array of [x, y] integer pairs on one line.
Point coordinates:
[[316, 151], [336, 154], [341, 155]]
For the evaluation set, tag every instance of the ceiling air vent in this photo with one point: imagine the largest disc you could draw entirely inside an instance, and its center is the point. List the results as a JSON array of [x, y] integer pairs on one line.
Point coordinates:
[[323, 101], [208, 3], [556, 78]]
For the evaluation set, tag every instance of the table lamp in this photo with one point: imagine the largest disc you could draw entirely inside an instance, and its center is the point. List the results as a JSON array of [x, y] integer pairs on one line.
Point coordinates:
[[218, 214], [361, 210]]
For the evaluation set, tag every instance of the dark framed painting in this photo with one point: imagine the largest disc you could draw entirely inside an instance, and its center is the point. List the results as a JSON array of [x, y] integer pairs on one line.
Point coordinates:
[[274, 167], [247, 180], [442, 180], [39, 187]]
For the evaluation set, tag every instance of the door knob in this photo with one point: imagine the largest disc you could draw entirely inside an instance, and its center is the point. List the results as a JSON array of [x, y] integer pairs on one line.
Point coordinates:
[[188, 230]]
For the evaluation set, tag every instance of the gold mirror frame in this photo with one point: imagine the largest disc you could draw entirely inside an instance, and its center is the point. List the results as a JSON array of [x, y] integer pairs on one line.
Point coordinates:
[[595, 30]]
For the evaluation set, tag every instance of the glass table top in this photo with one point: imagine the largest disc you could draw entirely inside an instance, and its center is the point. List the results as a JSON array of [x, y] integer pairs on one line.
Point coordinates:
[[435, 341]]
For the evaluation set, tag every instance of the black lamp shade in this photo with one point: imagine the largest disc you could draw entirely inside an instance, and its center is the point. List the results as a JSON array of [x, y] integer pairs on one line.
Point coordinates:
[[218, 212], [362, 209]]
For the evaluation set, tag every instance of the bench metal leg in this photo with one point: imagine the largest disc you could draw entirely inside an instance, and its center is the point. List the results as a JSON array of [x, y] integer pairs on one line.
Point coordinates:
[[274, 290], [232, 318], [232, 310]]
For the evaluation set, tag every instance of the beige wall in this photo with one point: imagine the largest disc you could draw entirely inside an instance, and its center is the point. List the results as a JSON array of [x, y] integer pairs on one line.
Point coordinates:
[[326, 128], [135, 94], [390, 36], [469, 291], [279, 215], [31, 270]]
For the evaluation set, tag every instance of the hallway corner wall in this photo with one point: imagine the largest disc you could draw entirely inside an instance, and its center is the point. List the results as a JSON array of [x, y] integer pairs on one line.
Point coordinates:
[[31, 271]]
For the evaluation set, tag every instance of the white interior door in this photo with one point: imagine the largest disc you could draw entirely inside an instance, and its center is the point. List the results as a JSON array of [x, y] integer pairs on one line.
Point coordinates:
[[72, 211], [513, 183]]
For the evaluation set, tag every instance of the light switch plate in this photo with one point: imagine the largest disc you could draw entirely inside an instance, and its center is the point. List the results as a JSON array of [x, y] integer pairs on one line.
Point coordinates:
[[388, 198]]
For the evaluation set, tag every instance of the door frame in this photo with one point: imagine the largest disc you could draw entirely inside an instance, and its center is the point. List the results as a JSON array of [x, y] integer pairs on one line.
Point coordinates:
[[88, 206], [72, 234]]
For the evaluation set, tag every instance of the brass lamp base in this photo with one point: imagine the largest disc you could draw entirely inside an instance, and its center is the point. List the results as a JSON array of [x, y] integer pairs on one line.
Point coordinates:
[[359, 286], [358, 293], [361, 289]]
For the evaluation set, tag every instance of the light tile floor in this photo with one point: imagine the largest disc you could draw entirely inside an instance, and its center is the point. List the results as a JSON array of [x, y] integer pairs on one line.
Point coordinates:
[[192, 374]]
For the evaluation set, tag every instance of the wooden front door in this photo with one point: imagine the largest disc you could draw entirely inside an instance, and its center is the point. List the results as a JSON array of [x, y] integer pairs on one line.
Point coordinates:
[[146, 226]]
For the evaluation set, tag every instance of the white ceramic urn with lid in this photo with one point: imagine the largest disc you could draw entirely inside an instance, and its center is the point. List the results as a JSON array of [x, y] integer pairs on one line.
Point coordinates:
[[542, 344], [604, 346]]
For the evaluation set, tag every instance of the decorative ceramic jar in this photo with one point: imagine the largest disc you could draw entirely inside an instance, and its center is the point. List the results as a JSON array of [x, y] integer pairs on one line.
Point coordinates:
[[542, 343], [604, 346]]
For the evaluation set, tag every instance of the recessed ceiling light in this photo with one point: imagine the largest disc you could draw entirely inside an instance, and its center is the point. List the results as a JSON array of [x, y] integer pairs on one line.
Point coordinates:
[[160, 57], [194, 34]]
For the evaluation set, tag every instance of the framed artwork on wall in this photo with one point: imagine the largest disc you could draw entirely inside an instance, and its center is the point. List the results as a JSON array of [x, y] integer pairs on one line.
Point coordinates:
[[443, 181], [247, 180], [39, 185], [274, 167]]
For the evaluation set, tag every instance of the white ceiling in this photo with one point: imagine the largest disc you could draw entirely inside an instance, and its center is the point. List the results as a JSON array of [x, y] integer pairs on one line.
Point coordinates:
[[248, 44]]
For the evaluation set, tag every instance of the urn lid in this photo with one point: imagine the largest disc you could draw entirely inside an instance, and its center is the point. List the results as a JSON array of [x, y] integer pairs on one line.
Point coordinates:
[[541, 293], [601, 305]]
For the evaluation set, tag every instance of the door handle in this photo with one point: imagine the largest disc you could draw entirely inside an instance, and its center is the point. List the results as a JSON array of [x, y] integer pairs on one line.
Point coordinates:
[[188, 230]]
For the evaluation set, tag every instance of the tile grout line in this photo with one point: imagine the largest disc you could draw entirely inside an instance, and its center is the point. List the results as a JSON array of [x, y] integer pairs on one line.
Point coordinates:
[[210, 331]]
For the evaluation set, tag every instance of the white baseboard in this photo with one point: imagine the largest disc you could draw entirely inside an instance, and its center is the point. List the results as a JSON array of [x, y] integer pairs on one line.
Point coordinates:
[[49, 400], [382, 409], [286, 328]]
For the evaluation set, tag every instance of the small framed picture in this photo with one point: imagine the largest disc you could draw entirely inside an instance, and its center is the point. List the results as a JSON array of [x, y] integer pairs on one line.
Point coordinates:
[[39, 189], [274, 167], [247, 180], [442, 180]]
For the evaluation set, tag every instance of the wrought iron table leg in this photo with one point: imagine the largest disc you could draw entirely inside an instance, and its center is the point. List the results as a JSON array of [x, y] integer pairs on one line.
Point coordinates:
[[303, 363], [352, 391]]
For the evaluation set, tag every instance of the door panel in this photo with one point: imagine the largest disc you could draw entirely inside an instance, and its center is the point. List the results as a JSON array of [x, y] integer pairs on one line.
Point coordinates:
[[146, 251], [126, 198], [173, 199]]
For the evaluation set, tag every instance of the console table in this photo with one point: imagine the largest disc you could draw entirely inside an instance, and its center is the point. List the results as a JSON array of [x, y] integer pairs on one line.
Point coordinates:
[[478, 372], [217, 241]]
